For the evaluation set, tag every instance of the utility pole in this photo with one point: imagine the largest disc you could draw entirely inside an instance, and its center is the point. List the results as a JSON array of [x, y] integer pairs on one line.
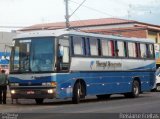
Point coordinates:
[[67, 15]]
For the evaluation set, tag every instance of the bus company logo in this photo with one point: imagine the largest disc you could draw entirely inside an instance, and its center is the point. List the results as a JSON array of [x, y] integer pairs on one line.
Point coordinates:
[[93, 65], [108, 64], [104, 64]]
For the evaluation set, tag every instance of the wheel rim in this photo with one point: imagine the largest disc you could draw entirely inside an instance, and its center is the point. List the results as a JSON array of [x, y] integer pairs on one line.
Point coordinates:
[[136, 89], [158, 88], [79, 90]]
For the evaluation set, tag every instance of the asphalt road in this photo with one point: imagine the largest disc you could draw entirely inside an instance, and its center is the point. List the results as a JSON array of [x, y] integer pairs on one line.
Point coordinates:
[[146, 103]]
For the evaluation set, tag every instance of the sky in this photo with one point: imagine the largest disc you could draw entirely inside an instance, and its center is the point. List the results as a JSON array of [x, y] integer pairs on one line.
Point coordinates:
[[22, 13]]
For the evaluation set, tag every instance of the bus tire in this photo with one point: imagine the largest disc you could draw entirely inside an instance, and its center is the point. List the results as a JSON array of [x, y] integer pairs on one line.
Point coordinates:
[[157, 88], [135, 90], [39, 100], [77, 92], [103, 97]]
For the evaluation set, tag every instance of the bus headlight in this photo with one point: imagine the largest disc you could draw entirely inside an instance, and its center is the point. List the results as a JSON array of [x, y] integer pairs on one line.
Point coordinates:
[[50, 91], [13, 91]]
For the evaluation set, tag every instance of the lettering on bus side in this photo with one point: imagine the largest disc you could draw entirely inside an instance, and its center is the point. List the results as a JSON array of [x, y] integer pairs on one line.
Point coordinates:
[[105, 64]]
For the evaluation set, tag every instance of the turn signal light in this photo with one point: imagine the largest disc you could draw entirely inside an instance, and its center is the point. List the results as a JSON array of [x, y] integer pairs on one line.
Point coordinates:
[[53, 84]]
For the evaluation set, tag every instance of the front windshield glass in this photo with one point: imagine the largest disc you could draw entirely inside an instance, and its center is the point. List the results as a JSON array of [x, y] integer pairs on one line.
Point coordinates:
[[33, 55]]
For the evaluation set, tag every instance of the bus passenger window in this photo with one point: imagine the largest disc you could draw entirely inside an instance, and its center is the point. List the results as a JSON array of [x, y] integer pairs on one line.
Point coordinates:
[[77, 46], [93, 47], [143, 49], [131, 49], [120, 48], [150, 51], [106, 48]]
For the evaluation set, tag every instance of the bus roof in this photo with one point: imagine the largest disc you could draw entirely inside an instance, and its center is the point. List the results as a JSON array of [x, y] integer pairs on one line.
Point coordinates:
[[56, 33]]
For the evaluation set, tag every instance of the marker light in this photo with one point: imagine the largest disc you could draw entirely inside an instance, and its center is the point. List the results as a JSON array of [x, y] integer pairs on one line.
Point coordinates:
[[49, 84], [53, 84]]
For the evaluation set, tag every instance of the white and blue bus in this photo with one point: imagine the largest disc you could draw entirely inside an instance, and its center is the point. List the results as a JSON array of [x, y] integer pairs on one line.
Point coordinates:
[[70, 64]]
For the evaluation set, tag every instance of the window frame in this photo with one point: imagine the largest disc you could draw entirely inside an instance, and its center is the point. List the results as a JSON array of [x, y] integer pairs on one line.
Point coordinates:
[[72, 45], [87, 48]]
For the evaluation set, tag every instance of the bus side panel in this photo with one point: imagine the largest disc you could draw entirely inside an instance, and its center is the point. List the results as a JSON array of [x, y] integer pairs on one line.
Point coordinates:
[[103, 82]]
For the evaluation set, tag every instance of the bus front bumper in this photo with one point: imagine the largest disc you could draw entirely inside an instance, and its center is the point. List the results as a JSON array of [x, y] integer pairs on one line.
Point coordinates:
[[33, 93]]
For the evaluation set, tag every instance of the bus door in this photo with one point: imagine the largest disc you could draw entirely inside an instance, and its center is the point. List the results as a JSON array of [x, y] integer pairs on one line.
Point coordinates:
[[63, 60]]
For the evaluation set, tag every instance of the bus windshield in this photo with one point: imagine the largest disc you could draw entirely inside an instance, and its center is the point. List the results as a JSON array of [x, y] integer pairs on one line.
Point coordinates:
[[33, 55]]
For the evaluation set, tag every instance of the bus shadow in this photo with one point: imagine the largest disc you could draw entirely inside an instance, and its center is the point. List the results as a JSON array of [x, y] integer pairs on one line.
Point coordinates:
[[84, 101]]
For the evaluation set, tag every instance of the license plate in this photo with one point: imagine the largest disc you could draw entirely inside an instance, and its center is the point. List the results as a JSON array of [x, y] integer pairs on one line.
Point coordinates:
[[30, 92]]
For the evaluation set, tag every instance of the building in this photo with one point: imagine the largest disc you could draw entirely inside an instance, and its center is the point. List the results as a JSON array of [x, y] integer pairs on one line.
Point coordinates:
[[112, 26], [5, 40]]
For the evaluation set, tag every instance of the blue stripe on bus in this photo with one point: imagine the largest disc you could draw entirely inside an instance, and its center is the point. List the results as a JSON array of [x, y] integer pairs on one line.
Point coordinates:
[[96, 82], [149, 67]]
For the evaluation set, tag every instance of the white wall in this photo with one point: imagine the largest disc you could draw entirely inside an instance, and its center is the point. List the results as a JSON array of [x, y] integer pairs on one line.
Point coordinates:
[[5, 39]]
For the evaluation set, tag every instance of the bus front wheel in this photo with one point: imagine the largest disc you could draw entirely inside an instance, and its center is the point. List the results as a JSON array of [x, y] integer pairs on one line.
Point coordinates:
[[39, 100], [77, 93]]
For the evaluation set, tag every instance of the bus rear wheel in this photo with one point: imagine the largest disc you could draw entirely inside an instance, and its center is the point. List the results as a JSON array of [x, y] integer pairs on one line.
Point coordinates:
[[158, 88], [78, 93], [39, 100], [135, 90]]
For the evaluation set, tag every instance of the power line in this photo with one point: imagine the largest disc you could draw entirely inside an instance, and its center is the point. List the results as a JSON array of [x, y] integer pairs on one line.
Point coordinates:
[[102, 12], [77, 8], [79, 22]]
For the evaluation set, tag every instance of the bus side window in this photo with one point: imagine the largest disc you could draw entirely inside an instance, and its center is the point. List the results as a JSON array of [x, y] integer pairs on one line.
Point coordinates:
[[121, 48], [93, 46], [150, 51], [143, 49], [77, 46], [131, 49], [106, 47]]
